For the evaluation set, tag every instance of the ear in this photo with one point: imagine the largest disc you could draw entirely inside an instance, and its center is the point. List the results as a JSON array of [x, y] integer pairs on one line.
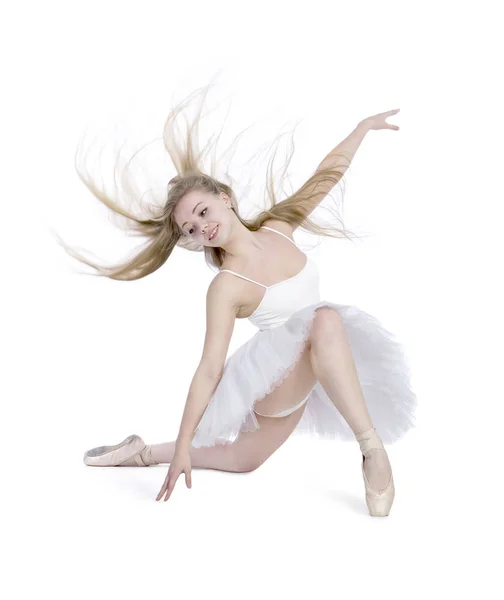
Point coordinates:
[[227, 200]]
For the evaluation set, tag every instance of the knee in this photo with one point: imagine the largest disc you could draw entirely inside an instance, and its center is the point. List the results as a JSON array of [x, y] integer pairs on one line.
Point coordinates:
[[327, 324], [247, 464], [248, 469]]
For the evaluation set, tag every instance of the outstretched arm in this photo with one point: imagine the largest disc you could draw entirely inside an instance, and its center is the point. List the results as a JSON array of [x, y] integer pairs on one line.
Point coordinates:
[[338, 160]]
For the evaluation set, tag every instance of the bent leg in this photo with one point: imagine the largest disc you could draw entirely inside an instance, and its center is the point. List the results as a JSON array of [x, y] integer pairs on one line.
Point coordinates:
[[218, 457], [247, 453], [253, 448]]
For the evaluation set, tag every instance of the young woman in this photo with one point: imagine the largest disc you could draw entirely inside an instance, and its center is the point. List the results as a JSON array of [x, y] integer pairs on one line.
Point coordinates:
[[313, 366]]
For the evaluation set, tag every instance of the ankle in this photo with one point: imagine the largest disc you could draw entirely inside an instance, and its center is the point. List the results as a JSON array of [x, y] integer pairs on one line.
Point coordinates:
[[141, 459], [369, 440], [146, 456]]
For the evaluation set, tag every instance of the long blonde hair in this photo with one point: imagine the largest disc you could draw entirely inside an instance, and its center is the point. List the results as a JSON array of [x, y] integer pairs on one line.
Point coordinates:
[[157, 223]]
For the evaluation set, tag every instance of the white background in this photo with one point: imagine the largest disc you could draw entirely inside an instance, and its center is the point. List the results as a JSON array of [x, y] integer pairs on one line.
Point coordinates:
[[87, 360]]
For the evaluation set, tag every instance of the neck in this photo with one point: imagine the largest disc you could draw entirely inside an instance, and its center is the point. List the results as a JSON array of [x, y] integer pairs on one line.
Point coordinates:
[[242, 244]]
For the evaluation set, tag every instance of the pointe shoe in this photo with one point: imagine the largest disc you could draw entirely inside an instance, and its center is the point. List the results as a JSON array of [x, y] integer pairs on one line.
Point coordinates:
[[112, 456], [379, 502]]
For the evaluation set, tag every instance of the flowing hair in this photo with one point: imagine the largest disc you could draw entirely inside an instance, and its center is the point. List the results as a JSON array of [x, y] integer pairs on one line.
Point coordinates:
[[157, 223]]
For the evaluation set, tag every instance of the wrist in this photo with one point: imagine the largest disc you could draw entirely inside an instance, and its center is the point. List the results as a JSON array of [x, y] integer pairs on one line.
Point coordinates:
[[182, 443], [364, 126]]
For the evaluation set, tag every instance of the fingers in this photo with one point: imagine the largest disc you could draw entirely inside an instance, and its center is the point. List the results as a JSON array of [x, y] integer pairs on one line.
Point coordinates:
[[162, 490], [168, 485], [171, 480], [171, 485], [164, 487]]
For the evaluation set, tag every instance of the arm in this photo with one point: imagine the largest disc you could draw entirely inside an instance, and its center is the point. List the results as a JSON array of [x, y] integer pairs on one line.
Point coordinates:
[[344, 150], [221, 310], [201, 390], [334, 164]]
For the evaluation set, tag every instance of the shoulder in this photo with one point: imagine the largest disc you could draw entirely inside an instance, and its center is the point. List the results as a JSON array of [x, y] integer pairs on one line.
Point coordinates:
[[223, 284], [225, 289], [281, 226]]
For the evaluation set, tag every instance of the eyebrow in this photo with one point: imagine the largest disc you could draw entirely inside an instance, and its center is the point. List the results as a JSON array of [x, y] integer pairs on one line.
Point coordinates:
[[192, 213]]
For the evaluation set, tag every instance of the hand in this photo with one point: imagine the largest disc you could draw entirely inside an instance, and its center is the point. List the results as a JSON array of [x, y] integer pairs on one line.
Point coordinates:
[[379, 121], [181, 463]]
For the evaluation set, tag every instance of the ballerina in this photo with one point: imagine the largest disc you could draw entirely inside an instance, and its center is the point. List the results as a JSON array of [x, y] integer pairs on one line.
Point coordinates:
[[313, 366]]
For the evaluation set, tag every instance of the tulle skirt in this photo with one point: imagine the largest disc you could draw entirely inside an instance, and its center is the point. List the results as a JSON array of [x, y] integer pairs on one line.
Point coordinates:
[[268, 357]]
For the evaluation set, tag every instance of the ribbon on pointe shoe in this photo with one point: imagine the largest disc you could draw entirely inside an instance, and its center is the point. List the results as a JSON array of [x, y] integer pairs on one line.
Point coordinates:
[[145, 456], [140, 459], [368, 440]]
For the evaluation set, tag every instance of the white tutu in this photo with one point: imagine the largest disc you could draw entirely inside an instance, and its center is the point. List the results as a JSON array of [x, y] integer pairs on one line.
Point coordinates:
[[264, 361]]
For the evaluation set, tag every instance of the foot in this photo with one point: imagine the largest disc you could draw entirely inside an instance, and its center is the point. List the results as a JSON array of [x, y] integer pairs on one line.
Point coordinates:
[[378, 478], [131, 452], [377, 468], [376, 464]]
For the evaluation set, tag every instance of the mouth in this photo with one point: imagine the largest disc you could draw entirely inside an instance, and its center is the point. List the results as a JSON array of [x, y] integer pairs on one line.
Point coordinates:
[[213, 233]]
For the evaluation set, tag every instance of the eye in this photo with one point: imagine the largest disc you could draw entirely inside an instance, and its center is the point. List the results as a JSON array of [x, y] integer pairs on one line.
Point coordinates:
[[201, 214]]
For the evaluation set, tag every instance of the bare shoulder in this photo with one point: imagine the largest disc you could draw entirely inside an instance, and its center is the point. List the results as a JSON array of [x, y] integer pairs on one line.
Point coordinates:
[[281, 226], [224, 290], [225, 295]]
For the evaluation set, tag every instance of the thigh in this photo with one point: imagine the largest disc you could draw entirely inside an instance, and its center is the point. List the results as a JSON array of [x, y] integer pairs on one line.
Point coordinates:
[[254, 447], [298, 384], [291, 391]]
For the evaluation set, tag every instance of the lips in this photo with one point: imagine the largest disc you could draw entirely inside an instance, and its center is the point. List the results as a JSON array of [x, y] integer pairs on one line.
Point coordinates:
[[213, 233]]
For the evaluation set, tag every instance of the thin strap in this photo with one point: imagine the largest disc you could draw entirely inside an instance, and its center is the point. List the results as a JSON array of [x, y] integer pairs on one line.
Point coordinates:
[[251, 280], [243, 277], [286, 412], [276, 231]]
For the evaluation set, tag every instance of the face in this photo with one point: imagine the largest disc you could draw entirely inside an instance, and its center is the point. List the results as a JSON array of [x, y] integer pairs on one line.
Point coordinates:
[[199, 212]]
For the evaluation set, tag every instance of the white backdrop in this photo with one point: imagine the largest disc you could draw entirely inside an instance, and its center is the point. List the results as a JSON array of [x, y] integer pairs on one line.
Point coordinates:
[[87, 360]]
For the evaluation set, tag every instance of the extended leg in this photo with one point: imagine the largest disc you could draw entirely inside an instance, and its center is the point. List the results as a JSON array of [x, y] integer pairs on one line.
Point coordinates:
[[251, 449], [247, 453], [222, 458]]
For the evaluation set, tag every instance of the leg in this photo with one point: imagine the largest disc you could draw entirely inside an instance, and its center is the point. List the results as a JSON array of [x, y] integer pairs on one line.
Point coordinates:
[[334, 367], [251, 449], [221, 458]]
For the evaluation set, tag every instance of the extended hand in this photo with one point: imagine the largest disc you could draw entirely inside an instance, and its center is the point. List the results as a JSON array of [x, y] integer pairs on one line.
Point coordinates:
[[181, 463], [379, 121]]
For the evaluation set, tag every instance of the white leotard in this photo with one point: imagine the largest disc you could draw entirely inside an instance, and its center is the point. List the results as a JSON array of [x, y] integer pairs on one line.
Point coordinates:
[[281, 300]]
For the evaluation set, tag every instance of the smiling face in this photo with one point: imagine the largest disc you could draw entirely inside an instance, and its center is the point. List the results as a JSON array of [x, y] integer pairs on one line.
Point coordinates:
[[199, 212]]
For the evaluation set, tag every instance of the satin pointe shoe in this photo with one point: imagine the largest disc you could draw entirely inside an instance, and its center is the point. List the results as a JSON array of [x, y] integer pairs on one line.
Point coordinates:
[[379, 502], [133, 447]]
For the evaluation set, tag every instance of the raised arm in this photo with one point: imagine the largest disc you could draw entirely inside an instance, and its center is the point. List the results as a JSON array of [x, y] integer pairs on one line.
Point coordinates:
[[221, 310], [333, 166]]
